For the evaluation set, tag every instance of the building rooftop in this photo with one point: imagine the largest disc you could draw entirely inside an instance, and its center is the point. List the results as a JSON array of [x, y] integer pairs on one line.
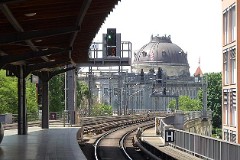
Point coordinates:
[[161, 50]]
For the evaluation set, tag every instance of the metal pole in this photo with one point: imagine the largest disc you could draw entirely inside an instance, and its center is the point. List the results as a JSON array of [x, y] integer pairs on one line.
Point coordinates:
[[119, 93], [45, 104], [110, 92], [70, 76], [22, 108], [90, 76], [176, 103], [204, 97], [65, 82]]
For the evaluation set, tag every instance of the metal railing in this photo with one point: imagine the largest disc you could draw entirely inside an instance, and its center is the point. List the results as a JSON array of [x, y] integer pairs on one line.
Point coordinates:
[[205, 147], [199, 145]]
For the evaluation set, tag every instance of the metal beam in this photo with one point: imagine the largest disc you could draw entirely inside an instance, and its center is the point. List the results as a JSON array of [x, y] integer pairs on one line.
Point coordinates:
[[8, 14], [45, 65], [161, 95], [23, 36], [51, 74], [62, 70], [10, 59], [100, 62], [82, 13], [9, 1]]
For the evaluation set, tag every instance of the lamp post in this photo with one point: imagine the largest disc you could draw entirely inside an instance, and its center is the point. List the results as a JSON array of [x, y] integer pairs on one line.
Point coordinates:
[[110, 91]]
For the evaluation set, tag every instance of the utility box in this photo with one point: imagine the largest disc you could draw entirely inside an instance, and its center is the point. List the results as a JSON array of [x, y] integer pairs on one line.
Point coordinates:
[[6, 118]]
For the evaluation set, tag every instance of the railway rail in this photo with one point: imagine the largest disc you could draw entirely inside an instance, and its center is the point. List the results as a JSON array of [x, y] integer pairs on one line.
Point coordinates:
[[111, 145], [126, 126]]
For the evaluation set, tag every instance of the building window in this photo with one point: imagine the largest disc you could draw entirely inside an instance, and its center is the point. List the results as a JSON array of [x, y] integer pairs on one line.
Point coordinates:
[[229, 25], [144, 53], [115, 91], [105, 91], [226, 137], [225, 27], [233, 65], [233, 136], [225, 105], [232, 23], [233, 107], [225, 64]]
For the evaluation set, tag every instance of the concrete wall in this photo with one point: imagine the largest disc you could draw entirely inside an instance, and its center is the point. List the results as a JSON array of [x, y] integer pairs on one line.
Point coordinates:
[[199, 126]]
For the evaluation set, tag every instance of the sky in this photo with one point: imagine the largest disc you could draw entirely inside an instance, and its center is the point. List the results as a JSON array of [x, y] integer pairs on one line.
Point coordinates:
[[194, 25]]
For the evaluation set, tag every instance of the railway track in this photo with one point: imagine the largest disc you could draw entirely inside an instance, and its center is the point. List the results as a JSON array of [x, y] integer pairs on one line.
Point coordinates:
[[117, 133], [112, 144], [94, 125], [30, 124]]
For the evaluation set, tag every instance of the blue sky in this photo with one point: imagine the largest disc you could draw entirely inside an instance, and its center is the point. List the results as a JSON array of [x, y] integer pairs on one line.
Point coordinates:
[[194, 25]]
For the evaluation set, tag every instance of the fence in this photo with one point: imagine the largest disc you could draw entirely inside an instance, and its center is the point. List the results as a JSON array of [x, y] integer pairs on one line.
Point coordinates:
[[199, 145], [205, 147]]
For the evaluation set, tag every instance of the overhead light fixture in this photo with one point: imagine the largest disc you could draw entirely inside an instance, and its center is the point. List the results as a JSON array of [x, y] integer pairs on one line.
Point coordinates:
[[30, 14], [38, 40], [44, 49]]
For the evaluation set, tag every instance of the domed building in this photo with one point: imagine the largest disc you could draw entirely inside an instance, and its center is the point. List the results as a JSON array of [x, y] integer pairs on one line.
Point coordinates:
[[161, 52], [143, 88]]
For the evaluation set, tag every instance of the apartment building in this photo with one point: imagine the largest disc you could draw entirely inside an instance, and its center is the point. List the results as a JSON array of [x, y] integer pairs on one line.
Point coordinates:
[[230, 78]]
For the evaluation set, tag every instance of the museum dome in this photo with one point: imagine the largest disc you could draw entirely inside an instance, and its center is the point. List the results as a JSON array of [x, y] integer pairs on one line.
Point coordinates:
[[161, 52], [161, 49]]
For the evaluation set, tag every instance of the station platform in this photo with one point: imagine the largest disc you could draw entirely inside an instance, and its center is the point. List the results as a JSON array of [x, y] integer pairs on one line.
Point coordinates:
[[150, 137], [56, 143]]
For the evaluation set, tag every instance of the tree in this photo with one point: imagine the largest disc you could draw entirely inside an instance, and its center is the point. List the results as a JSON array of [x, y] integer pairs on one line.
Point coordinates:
[[31, 96], [214, 97], [186, 104], [83, 96], [56, 93], [101, 109], [9, 95]]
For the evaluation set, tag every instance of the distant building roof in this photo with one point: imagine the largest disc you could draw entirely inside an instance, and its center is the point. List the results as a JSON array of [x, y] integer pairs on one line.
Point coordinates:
[[198, 72], [162, 50]]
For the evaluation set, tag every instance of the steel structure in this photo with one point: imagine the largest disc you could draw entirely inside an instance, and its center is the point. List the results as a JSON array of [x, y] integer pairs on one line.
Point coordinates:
[[134, 92]]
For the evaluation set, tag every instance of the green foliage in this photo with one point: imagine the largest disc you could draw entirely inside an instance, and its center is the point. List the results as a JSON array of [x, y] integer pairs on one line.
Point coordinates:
[[101, 110], [31, 97], [217, 133], [82, 94], [214, 97], [9, 95], [185, 104], [56, 94]]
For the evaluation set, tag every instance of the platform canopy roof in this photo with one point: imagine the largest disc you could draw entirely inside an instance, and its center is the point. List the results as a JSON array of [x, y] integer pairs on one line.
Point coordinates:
[[48, 34]]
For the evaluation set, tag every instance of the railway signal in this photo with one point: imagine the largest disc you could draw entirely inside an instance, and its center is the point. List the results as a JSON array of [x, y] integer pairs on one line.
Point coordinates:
[[111, 37], [111, 42]]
